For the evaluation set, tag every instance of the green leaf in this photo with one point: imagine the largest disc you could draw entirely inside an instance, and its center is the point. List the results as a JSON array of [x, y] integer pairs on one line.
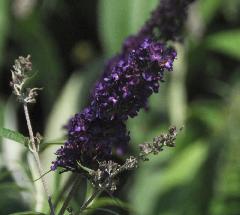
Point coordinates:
[[13, 135], [226, 42], [120, 19], [140, 11], [114, 19], [28, 213]]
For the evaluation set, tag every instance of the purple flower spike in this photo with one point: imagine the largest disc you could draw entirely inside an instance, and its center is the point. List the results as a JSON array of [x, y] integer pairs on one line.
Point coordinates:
[[121, 93], [128, 80]]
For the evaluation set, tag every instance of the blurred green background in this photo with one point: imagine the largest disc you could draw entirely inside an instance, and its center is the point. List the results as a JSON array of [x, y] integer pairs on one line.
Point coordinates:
[[69, 41]]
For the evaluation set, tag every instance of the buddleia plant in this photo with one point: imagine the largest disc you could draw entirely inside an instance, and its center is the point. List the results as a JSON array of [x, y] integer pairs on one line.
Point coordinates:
[[99, 132]]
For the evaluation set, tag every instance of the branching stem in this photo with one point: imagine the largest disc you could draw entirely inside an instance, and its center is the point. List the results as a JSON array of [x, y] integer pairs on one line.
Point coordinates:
[[99, 190]]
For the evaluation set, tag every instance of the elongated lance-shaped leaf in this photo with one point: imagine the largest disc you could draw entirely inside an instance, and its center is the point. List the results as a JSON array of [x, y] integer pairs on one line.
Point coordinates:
[[13, 135]]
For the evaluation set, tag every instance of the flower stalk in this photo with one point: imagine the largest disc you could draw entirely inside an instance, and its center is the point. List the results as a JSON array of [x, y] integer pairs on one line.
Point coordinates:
[[34, 149]]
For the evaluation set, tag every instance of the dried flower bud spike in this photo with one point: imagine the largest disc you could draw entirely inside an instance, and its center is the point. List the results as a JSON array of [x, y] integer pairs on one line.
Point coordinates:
[[21, 72]]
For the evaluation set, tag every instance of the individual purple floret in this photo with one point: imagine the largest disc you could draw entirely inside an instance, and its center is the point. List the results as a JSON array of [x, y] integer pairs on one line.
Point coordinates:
[[124, 90], [90, 140]]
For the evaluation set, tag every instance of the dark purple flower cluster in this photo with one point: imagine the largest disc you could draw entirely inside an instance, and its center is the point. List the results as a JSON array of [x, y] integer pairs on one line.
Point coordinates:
[[125, 90], [90, 140], [128, 80]]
